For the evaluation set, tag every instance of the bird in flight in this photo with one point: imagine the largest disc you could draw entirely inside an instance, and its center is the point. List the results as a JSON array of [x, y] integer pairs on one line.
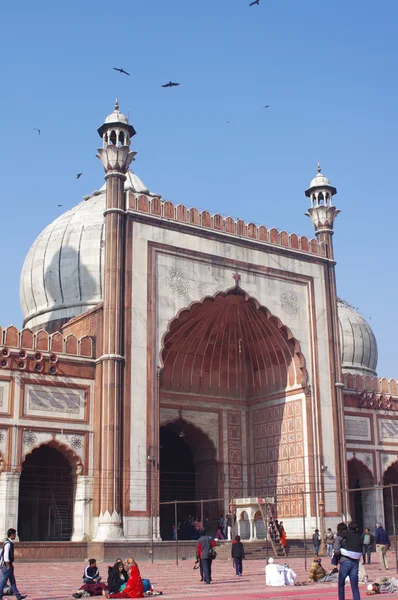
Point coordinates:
[[38, 130], [255, 2], [79, 175], [59, 205], [267, 105], [170, 84], [121, 71]]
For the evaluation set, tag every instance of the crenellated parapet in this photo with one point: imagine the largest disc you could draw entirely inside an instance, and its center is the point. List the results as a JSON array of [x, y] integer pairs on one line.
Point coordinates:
[[40, 351], [164, 209]]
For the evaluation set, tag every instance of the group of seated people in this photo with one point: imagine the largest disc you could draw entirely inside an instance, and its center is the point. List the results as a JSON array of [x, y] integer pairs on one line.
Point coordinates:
[[124, 581]]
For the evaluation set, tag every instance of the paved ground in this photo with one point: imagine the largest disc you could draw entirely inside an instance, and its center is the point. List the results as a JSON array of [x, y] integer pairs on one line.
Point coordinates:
[[43, 581]]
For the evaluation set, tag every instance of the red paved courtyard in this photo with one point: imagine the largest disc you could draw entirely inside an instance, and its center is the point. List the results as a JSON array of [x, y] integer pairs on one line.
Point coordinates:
[[45, 581]]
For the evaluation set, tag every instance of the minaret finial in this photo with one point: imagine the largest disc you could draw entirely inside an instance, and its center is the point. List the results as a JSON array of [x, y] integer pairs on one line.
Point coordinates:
[[116, 104], [319, 166]]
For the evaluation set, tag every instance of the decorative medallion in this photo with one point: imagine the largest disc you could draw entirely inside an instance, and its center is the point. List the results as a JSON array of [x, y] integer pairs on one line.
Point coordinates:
[[385, 458], [29, 439], [2, 436], [178, 282], [368, 459], [76, 442], [290, 303]]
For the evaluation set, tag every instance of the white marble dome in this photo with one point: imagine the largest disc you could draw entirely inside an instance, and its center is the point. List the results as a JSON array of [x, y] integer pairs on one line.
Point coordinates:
[[63, 271], [358, 342]]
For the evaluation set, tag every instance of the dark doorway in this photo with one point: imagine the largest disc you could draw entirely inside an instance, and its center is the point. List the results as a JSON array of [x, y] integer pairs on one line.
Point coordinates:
[[188, 472], [390, 477], [362, 495], [45, 497]]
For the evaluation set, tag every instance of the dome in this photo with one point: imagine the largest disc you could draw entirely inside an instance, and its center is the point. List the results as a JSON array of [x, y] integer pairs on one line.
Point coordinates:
[[63, 271], [320, 181], [358, 342]]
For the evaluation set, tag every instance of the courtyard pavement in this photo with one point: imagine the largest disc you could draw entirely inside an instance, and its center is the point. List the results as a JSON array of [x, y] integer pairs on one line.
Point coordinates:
[[47, 581]]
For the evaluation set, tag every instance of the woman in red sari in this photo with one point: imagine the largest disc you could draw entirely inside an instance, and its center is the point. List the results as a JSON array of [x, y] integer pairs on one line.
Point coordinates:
[[134, 587]]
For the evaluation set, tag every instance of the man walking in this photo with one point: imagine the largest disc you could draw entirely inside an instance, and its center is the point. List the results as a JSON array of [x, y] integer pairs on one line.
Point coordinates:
[[316, 542], [7, 563], [382, 545], [348, 549], [367, 540], [205, 554]]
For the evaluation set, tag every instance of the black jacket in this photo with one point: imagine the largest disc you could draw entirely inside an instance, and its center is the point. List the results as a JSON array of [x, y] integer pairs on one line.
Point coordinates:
[[351, 541], [237, 550], [114, 581], [372, 539]]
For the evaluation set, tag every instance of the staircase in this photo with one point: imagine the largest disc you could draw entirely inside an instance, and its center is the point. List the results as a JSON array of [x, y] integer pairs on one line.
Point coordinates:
[[256, 550], [59, 521]]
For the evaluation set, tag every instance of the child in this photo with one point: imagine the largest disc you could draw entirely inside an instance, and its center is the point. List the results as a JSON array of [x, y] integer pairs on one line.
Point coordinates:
[[238, 554], [91, 572]]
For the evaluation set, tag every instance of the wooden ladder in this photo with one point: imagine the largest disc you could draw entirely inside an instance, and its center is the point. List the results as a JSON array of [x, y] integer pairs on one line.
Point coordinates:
[[271, 538]]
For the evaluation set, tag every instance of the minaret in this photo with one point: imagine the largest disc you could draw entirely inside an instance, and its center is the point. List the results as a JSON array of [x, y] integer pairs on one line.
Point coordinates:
[[322, 212], [115, 157]]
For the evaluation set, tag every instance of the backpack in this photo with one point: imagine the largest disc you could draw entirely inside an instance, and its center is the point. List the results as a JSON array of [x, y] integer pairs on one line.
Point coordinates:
[[2, 554]]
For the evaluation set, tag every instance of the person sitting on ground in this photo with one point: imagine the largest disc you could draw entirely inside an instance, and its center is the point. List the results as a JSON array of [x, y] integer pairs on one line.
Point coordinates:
[[274, 574], [290, 575], [383, 585], [318, 574], [117, 578], [91, 572], [134, 587], [90, 589]]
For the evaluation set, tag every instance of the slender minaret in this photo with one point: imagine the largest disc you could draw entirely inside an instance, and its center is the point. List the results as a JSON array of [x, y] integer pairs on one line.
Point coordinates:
[[115, 157], [323, 214]]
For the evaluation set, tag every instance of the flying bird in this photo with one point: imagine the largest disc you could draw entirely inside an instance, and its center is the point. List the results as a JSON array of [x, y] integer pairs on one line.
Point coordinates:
[[59, 205], [267, 105], [255, 2], [121, 71], [170, 84], [79, 175], [38, 130]]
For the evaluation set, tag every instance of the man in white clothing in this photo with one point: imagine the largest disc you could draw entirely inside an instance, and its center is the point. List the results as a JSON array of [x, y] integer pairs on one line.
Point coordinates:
[[290, 575], [274, 574]]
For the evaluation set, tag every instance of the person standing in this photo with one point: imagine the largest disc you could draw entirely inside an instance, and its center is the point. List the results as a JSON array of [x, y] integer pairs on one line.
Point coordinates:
[[367, 540], [7, 562], [382, 545], [238, 554], [204, 553], [316, 541], [329, 539], [228, 526], [348, 549]]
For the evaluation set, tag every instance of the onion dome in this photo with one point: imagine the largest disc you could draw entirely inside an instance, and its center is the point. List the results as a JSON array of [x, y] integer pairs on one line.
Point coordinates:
[[62, 275], [358, 342]]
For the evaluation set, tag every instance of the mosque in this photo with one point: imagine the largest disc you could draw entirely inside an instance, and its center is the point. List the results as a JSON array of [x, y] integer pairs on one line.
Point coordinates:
[[172, 354]]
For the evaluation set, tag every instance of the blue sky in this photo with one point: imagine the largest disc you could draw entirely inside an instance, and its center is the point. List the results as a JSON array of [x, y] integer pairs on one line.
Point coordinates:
[[328, 69]]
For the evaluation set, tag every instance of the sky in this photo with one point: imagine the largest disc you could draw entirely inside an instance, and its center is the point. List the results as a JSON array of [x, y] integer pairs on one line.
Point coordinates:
[[328, 70]]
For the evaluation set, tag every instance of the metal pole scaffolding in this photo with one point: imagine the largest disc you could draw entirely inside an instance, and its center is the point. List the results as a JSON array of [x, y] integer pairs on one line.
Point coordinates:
[[152, 511], [305, 541], [394, 528], [176, 526]]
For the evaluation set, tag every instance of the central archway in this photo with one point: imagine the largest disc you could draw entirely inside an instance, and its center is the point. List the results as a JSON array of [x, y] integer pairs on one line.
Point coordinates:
[[362, 501], [223, 358], [45, 510], [188, 472]]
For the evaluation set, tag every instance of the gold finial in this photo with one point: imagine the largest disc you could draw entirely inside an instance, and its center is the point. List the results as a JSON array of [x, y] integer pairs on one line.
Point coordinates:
[[319, 166], [116, 104]]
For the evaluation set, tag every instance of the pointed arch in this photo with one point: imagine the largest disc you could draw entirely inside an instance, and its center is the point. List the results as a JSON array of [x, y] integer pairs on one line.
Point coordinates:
[[74, 460], [230, 345]]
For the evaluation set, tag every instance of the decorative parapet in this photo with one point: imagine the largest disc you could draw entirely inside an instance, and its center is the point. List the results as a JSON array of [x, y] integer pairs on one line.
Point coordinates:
[[379, 385], [26, 341], [166, 210]]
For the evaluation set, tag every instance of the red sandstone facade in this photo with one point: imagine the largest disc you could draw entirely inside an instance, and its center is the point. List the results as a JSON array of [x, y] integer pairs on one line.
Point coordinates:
[[213, 333]]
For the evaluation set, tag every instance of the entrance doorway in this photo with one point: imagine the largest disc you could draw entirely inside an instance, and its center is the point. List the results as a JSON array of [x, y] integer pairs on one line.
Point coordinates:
[[390, 476], [362, 501], [188, 472], [45, 509]]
